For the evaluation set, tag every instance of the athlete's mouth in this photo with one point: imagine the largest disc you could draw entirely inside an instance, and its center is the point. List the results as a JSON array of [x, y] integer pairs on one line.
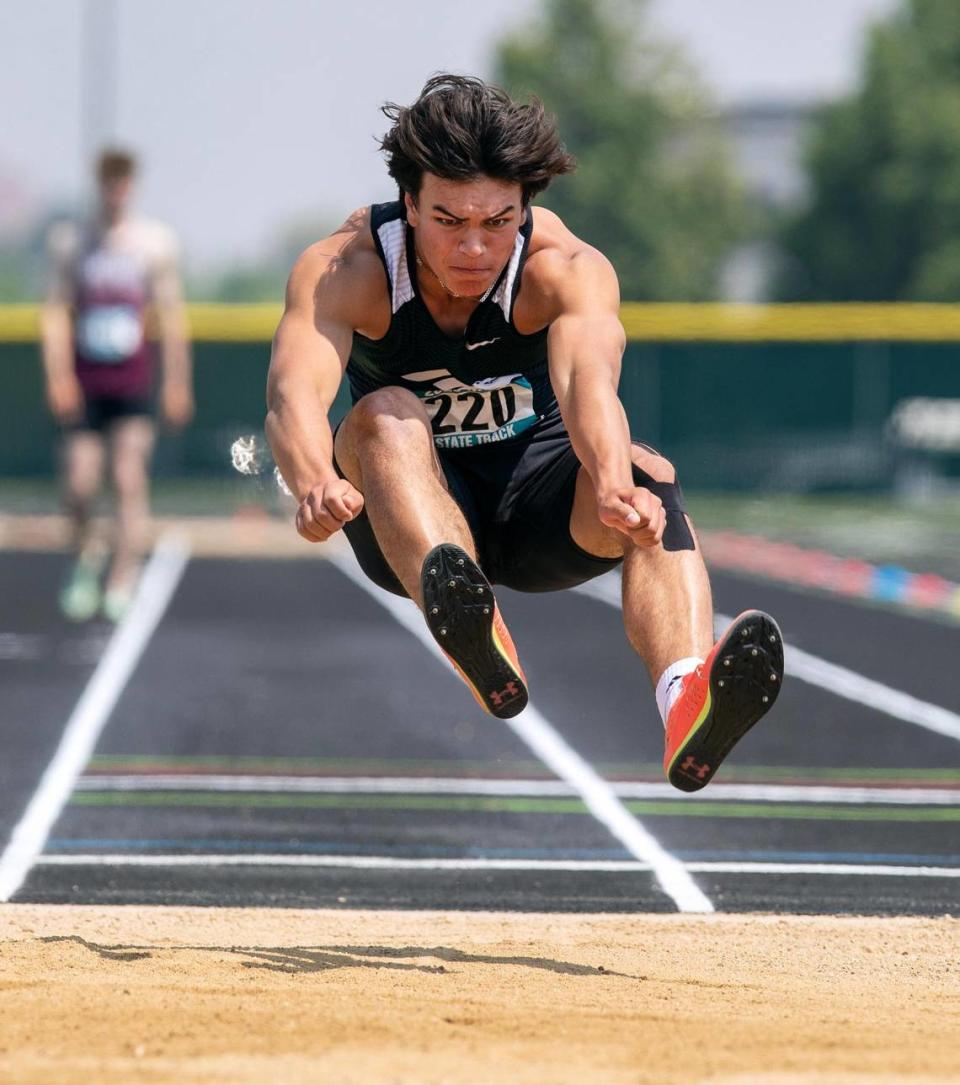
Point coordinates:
[[474, 272]]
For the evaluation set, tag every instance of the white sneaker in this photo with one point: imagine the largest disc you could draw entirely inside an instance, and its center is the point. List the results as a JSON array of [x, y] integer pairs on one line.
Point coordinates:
[[80, 595], [116, 602]]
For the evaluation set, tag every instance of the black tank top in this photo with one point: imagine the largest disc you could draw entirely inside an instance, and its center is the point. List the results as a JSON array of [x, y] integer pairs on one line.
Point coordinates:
[[489, 384]]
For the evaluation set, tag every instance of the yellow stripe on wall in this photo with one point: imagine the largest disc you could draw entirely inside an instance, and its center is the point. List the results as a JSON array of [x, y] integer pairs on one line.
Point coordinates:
[[650, 322], [234, 323], [19, 323], [797, 323]]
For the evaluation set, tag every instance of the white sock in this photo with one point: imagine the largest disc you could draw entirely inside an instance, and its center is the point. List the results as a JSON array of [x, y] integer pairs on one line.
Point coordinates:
[[669, 686]]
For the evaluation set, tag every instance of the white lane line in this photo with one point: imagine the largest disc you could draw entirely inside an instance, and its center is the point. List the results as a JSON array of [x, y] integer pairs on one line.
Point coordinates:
[[829, 676], [432, 785], [541, 737], [157, 584], [875, 870], [865, 691], [377, 862]]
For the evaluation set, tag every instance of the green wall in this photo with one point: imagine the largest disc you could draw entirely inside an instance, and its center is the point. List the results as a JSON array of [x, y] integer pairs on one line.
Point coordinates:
[[731, 415]]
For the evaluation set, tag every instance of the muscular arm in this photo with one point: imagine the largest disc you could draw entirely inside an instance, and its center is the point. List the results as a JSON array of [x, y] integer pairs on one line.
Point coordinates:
[[176, 393], [585, 344], [310, 352], [325, 296], [56, 328]]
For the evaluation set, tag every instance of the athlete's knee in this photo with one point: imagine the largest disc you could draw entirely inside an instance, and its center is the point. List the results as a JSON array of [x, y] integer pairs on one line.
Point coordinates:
[[82, 476], [81, 481], [130, 477], [385, 407], [390, 418], [651, 463], [658, 475]]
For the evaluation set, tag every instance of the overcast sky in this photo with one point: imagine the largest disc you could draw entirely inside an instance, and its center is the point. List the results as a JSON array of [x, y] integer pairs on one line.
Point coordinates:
[[251, 114]]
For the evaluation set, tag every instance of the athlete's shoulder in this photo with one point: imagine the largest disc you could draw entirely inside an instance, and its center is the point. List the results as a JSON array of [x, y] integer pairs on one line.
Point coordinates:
[[63, 240], [560, 265], [341, 271], [155, 239]]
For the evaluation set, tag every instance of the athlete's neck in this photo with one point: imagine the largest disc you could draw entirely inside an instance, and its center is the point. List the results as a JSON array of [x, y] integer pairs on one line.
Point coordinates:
[[110, 218], [450, 294]]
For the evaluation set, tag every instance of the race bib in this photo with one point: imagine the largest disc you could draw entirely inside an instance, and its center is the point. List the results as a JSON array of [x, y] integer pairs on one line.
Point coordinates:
[[109, 334], [464, 415]]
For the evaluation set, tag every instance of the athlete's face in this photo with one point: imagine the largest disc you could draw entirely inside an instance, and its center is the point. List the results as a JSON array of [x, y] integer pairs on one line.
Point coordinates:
[[115, 196], [466, 229]]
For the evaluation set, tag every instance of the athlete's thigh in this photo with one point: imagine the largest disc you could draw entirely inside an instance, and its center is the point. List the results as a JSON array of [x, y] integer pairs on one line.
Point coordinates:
[[533, 549], [131, 439], [83, 451], [363, 540], [368, 417]]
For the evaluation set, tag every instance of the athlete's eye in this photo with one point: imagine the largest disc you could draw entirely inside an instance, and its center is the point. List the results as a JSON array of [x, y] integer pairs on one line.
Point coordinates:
[[447, 222], [497, 222]]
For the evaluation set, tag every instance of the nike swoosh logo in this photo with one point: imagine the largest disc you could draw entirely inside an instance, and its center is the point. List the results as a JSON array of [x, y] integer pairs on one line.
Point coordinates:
[[482, 343]]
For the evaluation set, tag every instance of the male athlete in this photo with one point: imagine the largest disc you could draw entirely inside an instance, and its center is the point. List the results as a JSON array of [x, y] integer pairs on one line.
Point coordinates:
[[486, 443], [99, 375]]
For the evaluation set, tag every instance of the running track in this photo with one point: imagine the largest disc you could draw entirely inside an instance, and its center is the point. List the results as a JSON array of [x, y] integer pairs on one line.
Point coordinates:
[[266, 732]]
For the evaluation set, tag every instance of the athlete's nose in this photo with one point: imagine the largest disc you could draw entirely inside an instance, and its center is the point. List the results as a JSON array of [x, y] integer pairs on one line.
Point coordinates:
[[471, 245]]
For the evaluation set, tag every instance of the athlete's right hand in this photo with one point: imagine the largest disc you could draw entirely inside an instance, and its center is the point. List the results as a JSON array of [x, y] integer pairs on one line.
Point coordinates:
[[65, 398], [326, 508], [635, 512]]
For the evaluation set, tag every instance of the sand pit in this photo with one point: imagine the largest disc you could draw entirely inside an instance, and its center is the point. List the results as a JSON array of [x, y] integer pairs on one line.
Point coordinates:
[[209, 996]]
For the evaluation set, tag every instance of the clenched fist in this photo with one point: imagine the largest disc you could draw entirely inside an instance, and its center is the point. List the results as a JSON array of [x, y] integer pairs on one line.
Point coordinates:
[[326, 508], [634, 512], [65, 398], [176, 405]]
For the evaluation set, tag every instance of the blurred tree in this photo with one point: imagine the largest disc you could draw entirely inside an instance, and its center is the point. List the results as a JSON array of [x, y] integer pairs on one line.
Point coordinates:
[[14, 275], [23, 255], [653, 189], [882, 221], [263, 279]]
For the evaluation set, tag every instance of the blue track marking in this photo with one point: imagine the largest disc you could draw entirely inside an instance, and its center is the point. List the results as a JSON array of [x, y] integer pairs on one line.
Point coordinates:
[[279, 847], [285, 683]]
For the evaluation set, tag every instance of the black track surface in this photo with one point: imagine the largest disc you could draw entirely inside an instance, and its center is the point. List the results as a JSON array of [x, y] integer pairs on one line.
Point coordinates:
[[285, 669]]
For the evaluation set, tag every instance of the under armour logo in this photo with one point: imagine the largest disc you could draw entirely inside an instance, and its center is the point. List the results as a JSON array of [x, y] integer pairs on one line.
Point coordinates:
[[506, 694], [691, 768], [482, 343]]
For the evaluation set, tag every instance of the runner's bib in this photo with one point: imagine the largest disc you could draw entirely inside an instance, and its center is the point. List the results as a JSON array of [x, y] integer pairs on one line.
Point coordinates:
[[466, 415], [109, 334]]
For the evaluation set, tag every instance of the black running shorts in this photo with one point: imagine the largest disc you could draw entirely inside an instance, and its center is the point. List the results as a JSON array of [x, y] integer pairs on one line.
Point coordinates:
[[517, 497], [100, 412]]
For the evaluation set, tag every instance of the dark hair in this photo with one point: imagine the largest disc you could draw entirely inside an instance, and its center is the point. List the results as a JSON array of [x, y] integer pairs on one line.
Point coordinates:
[[114, 163], [461, 127]]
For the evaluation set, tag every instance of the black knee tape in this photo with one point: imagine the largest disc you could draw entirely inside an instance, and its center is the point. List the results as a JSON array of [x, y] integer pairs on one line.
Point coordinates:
[[676, 532]]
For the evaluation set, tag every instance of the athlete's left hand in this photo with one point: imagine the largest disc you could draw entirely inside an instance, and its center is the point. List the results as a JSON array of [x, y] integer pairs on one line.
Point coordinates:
[[176, 405], [634, 512]]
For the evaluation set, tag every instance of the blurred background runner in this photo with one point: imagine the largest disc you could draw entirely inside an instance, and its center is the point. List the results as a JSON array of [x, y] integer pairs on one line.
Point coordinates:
[[104, 276]]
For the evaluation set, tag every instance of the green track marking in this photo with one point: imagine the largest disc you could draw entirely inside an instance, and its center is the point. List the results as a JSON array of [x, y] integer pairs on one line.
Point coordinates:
[[513, 805], [451, 803], [322, 766], [374, 766], [796, 812]]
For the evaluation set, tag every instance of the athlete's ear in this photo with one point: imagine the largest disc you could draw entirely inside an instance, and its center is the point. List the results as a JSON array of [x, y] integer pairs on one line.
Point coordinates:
[[523, 214], [413, 214]]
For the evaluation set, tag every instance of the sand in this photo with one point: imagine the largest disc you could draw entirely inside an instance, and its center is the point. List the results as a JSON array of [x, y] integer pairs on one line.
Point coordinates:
[[195, 995]]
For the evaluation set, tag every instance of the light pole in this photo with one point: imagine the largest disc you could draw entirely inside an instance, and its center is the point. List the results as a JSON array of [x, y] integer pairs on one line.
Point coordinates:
[[98, 76]]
